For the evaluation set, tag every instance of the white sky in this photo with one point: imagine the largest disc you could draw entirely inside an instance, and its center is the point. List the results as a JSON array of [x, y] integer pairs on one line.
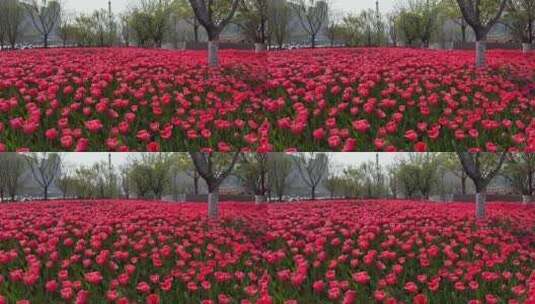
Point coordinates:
[[341, 159], [119, 5]]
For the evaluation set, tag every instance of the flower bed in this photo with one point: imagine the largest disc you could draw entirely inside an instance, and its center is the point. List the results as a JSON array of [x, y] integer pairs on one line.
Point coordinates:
[[333, 99], [322, 252]]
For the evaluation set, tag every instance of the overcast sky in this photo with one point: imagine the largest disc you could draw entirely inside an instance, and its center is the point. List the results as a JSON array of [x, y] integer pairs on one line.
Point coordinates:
[[120, 5], [341, 159]]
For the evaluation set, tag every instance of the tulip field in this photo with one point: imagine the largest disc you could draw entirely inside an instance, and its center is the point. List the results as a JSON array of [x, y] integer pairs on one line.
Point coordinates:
[[321, 252], [307, 100]]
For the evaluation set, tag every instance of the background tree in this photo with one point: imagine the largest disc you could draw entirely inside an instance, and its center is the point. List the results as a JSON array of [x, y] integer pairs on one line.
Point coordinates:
[[150, 174], [11, 20], [481, 15], [312, 14], [252, 18], [183, 10], [352, 25], [451, 10], [125, 29], [66, 28], [450, 162], [429, 165], [2, 27], [12, 167], [185, 164], [252, 170], [428, 11], [334, 29], [214, 168], [45, 169], [159, 13], [100, 25], [334, 184], [393, 31], [66, 182], [481, 168], [352, 182], [409, 177], [520, 19], [86, 182], [45, 16], [279, 15], [279, 168], [125, 182], [393, 180], [519, 169], [313, 169], [418, 174], [214, 16], [410, 25]]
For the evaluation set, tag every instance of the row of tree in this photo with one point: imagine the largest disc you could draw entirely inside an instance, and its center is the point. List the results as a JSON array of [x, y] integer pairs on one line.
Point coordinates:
[[151, 176]]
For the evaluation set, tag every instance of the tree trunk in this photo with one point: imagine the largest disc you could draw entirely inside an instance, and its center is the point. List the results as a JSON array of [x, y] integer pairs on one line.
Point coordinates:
[[45, 41], [480, 204], [313, 41], [313, 193], [45, 192], [213, 202], [481, 49], [213, 55]]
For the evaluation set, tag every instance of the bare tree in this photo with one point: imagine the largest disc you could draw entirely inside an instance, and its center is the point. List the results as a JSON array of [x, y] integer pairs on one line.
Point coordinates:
[[481, 168], [481, 19], [11, 19], [313, 168], [214, 16], [45, 16], [12, 168], [214, 169], [45, 169], [312, 14]]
